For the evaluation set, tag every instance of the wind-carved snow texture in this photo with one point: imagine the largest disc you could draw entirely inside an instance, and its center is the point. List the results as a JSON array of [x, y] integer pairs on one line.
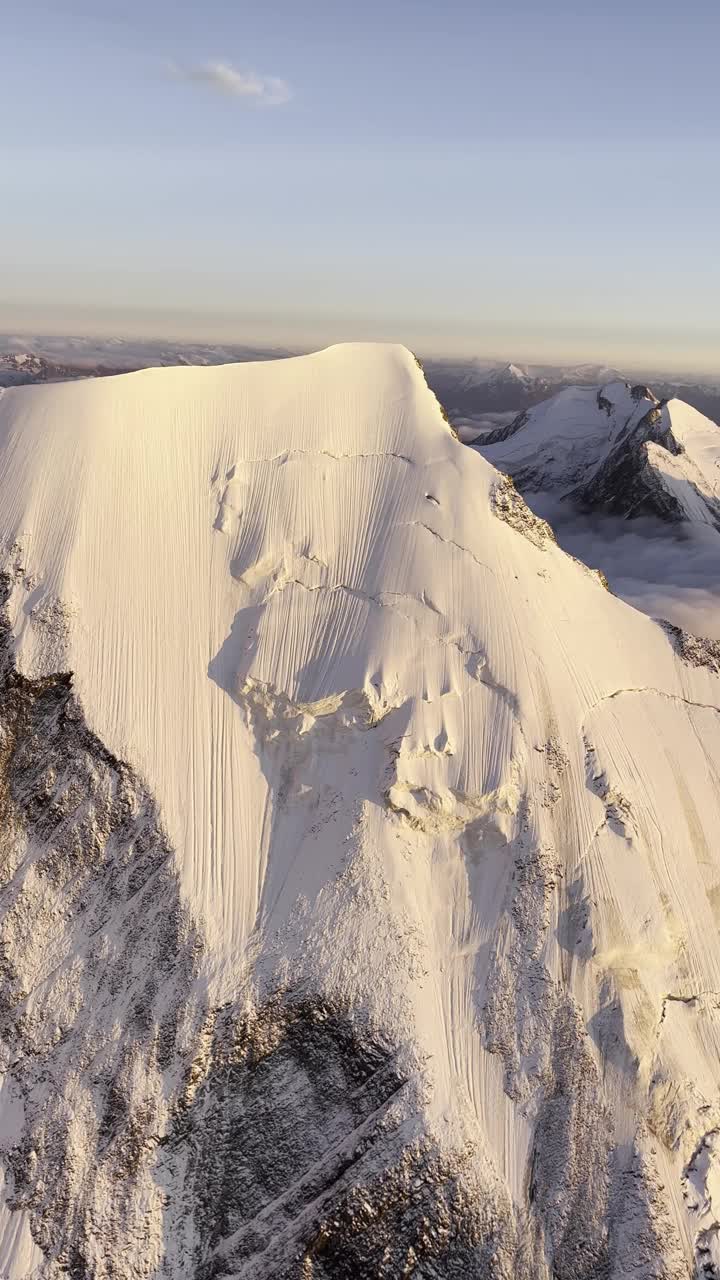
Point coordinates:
[[360, 892], [198, 1139]]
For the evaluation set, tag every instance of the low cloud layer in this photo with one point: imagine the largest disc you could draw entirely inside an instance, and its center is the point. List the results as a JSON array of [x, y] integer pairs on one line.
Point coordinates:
[[666, 570], [223, 78], [472, 428]]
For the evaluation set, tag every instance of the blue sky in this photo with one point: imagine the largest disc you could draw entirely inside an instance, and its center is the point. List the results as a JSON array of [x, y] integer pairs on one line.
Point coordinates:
[[537, 181]]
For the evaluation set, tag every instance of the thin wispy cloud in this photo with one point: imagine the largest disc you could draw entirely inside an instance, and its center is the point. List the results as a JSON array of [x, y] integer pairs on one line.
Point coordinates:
[[222, 77]]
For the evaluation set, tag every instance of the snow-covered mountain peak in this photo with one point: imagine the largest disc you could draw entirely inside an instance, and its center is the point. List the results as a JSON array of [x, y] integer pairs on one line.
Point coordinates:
[[509, 375], [617, 447], [360, 896], [512, 372]]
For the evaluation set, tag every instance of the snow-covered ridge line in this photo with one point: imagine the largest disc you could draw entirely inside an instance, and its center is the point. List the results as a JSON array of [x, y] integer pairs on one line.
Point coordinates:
[[430, 877]]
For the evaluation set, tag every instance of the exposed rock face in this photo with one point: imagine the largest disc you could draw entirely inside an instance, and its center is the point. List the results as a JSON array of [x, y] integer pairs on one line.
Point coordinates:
[[300, 1164], [510, 507], [624, 484], [698, 651], [640, 392], [99, 1012], [504, 433]]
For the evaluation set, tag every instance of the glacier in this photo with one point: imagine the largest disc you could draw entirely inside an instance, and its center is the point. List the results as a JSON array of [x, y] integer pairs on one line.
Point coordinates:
[[360, 882]]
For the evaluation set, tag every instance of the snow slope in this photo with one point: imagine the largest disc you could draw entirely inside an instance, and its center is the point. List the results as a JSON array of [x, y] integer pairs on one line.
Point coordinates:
[[617, 447], [360, 891]]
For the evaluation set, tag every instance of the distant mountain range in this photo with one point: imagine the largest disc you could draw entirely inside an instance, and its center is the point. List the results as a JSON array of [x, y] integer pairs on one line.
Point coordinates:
[[630, 484], [472, 389], [21, 368], [28, 359]]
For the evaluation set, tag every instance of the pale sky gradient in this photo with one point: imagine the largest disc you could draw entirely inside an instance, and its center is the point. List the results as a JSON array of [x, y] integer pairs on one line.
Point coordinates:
[[537, 181]]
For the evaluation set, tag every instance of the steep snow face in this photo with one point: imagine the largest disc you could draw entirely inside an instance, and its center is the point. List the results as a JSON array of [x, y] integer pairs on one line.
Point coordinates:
[[618, 448], [562, 441], [360, 890], [690, 475]]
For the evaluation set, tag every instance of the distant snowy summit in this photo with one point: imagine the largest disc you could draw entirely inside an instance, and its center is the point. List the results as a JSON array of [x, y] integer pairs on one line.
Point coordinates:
[[617, 448], [498, 379], [359, 873], [23, 368]]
